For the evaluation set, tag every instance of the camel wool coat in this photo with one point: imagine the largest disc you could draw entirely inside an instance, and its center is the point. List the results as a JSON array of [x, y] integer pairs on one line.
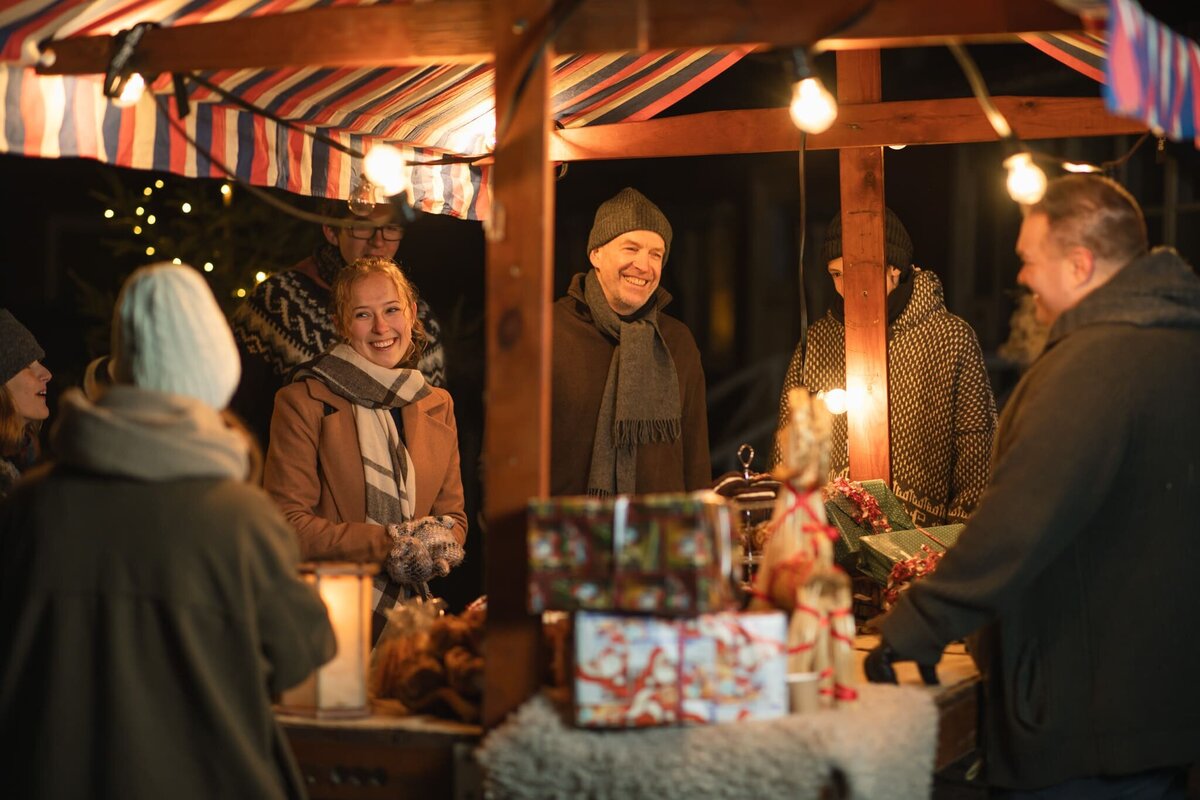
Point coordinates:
[[315, 474]]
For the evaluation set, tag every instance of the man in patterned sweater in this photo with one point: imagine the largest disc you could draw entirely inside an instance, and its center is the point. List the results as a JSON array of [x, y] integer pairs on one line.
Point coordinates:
[[286, 320], [941, 409]]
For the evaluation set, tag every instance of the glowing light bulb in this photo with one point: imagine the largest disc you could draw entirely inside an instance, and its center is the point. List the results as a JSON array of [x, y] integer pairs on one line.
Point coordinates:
[[147, 191], [362, 198], [897, 146], [134, 87], [139, 211], [1026, 181], [240, 292], [208, 266], [109, 213], [835, 400], [150, 250], [137, 229], [1071, 166], [186, 208], [226, 194], [150, 220], [260, 276], [384, 167], [813, 108], [158, 184], [176, 261]]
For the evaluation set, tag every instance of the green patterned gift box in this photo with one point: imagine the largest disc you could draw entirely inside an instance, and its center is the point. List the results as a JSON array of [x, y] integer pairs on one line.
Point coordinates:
[[842, 511], [881, 552]]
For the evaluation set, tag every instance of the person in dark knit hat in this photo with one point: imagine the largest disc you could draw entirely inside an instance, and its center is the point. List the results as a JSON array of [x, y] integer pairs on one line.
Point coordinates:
[[151, 606], [941, 410], [23, 406], [628, 412]]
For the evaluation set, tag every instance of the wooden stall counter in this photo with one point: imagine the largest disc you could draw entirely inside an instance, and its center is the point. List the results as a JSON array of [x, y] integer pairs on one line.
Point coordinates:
[[958, 697], [385, 755]]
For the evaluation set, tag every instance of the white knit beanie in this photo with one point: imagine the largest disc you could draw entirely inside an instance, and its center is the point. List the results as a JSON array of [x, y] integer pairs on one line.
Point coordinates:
[[169, 335]]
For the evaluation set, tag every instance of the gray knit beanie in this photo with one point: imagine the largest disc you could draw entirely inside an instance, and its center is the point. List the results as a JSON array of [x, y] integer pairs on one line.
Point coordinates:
[[628, 211], [169, 335], [18, 348], [897, 246]]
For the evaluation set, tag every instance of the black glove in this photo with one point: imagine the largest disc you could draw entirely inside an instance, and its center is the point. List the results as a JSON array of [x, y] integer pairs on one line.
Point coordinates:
[[879, 669]]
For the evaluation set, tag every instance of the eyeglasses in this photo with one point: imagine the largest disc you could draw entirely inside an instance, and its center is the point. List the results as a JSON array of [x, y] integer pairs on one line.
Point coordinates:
[[390, 233]]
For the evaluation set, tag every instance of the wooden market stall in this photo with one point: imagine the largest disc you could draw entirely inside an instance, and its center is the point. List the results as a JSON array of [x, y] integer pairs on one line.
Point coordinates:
[[519, 37]]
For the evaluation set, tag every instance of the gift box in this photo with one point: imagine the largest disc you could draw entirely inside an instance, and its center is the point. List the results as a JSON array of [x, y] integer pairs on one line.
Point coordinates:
[[848, 517], [638, 671], [665, 554], [881, 552]]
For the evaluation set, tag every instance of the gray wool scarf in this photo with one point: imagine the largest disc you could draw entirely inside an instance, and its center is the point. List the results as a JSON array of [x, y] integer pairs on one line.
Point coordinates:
[[640, 403]]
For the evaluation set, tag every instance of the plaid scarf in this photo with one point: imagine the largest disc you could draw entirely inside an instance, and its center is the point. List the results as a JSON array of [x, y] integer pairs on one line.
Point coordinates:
[[640, 403], [387, 466]]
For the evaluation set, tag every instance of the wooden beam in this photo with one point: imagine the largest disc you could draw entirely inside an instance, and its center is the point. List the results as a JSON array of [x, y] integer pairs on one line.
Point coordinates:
[[770, 130], [459, 31], [520, 276], [863, 281]]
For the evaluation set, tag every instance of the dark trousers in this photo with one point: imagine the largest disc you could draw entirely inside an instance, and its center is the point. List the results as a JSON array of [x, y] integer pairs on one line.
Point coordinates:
[[1159, 784]]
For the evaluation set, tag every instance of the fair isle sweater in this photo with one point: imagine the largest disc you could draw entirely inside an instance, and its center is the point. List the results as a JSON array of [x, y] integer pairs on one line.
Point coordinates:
[[941, 410], [287, 321]]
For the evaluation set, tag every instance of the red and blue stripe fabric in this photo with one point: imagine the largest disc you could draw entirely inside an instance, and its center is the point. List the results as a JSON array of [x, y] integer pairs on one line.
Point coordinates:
[[428, 111], [1153, 73]]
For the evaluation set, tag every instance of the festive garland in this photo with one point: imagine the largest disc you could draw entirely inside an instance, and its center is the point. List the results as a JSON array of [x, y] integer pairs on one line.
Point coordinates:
[[905, 572], [868, 510]]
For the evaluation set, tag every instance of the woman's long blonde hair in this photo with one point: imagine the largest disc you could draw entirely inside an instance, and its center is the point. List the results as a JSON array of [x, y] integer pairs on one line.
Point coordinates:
[[344, 282]]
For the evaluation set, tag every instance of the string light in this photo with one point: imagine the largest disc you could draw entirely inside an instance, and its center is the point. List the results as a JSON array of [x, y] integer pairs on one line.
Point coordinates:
[[208, 266], [158, 184], [835, 400], [150, 220], [813, 108], [139, 211], [384, 167], [362, 198], [186, 208], [131, 92], [147, 191], [1026, 182], [176, 261], [260, 276], [240, 292], [137, 229], [150, 250], [897, 146], [226, 193], [1072, 166], [109, 213]]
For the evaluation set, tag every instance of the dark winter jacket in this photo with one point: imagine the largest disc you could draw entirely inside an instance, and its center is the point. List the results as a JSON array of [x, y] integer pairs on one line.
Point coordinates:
[[582, 355], [1083, 550], [149, 610], [941, 412]]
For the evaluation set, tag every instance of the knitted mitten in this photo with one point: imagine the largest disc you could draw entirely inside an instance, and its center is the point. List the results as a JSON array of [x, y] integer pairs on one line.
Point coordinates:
[[409, 560], [444, 549]]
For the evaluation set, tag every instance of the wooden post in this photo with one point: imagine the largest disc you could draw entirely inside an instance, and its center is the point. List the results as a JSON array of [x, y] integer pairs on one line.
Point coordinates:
[[863, 280], [519, 288]]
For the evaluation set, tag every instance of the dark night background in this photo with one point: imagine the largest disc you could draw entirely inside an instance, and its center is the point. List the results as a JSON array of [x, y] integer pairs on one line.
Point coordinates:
[[735, 267]]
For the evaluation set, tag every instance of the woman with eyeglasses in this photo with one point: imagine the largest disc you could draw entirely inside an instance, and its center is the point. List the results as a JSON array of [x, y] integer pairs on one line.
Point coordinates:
[[363, 458], [285, 321], [23, 406]]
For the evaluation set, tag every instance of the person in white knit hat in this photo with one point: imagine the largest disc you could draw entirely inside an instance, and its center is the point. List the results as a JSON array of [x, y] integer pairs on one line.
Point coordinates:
[[150, 606]]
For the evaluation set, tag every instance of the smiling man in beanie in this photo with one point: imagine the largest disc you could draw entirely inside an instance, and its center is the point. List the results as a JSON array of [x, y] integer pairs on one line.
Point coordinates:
[[941, 411], [150, 605], [628, 388]]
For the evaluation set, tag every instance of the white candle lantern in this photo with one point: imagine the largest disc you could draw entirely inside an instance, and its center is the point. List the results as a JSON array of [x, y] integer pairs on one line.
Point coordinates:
[[339, 688]]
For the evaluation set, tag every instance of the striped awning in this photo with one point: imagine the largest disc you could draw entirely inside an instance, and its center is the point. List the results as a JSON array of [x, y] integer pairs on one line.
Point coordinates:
[[428, 111], [1086, 53]]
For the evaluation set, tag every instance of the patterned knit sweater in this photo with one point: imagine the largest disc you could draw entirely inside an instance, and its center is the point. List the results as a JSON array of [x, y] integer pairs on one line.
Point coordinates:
[[287, 321], [941, 409]]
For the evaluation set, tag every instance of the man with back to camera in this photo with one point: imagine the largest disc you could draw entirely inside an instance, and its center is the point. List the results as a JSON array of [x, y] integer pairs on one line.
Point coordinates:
[[628, 412], [1080, 558]]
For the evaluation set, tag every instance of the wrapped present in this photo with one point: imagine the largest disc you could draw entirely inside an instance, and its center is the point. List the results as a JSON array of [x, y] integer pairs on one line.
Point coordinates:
[[663, 553], [638, 671], [894, 559], [859, 509]]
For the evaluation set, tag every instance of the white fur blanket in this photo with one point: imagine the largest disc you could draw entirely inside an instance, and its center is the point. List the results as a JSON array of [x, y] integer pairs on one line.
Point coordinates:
[[882, 747]]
